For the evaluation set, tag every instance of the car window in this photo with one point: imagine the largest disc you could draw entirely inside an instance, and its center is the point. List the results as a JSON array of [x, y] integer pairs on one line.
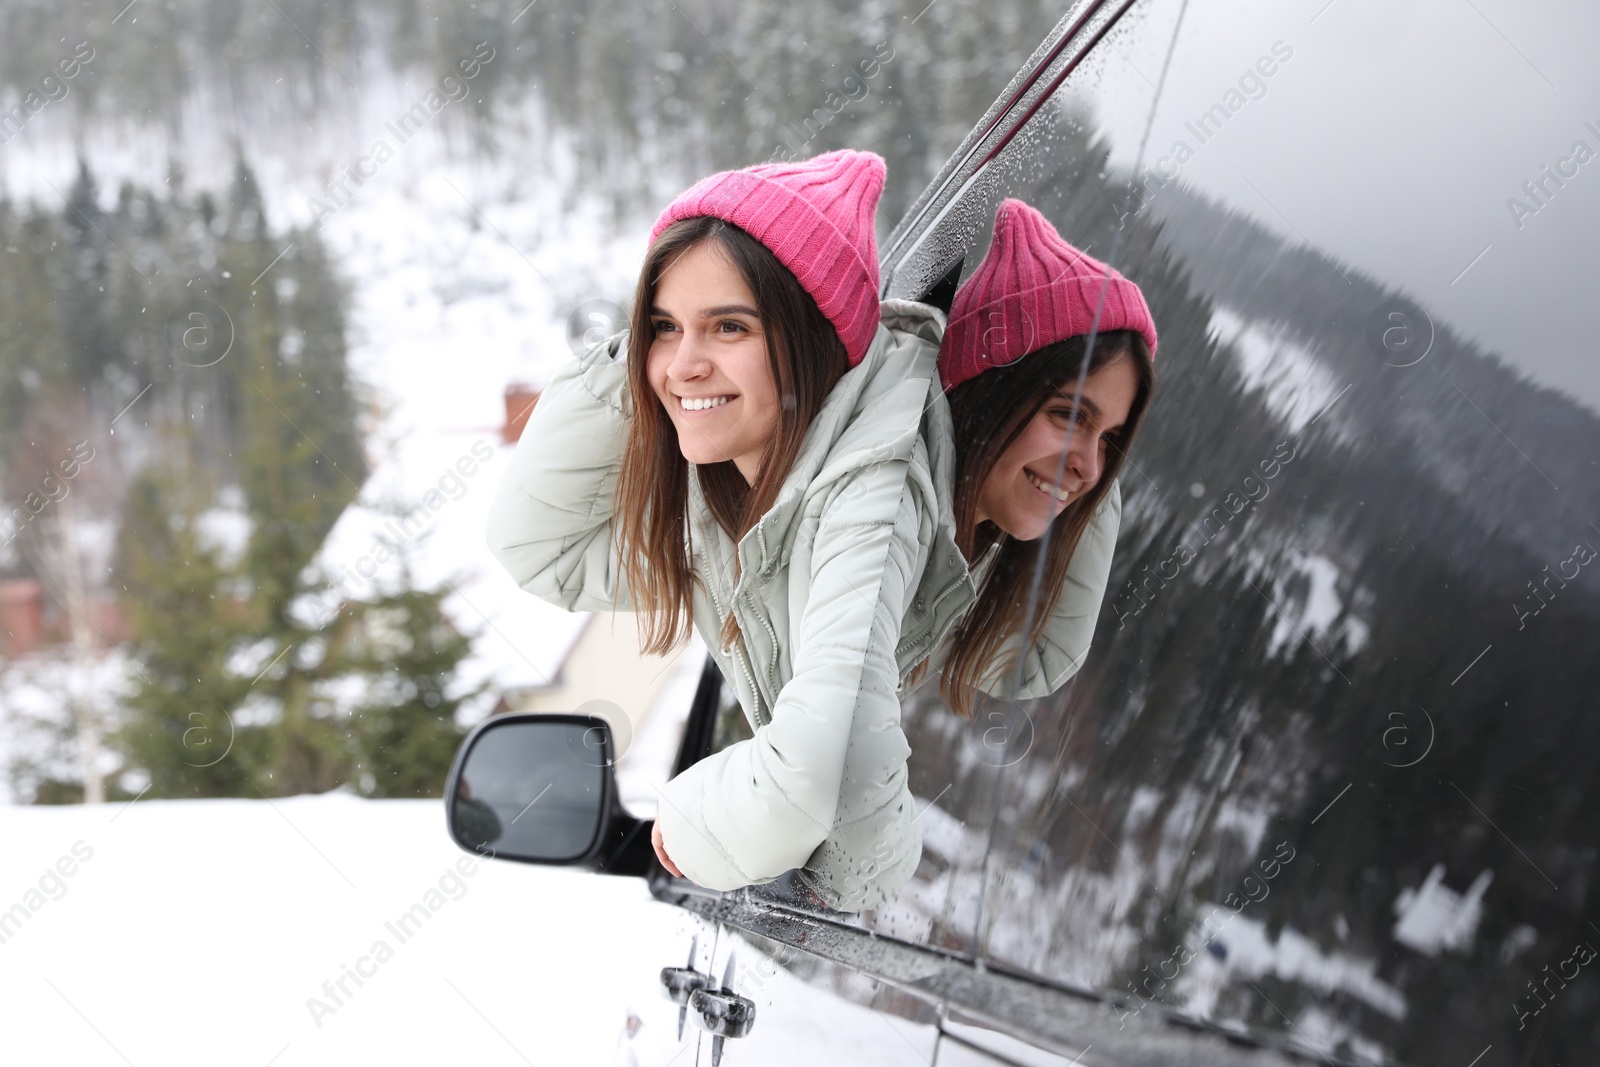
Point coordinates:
[[1326, 773], [731, 725]]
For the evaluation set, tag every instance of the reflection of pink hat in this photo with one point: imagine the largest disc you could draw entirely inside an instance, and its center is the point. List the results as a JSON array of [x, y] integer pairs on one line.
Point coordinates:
[[816, 217], [1033, 289]]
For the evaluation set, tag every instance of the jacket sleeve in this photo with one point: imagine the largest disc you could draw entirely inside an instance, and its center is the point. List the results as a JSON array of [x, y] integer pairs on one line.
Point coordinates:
[[550, 523], [1064, 643], [761, 807]]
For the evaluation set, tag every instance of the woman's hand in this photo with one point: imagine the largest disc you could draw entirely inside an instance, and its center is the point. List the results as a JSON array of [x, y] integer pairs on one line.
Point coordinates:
[[661, 850]]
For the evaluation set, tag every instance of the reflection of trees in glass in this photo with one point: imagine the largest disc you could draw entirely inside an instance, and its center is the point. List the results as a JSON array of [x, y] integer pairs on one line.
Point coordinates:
[[1204, 731], [1418, 412]]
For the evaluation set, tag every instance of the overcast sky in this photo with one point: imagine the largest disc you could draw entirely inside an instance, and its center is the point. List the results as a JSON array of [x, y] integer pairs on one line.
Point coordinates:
[[1392, 138]]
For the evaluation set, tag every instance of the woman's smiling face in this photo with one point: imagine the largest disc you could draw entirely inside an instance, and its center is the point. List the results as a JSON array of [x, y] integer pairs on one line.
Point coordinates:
[[708, 361], [1060, 454]]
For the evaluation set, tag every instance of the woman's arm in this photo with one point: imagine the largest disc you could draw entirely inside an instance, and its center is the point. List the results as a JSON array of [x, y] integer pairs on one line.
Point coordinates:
[[550, 524], [752, 811]]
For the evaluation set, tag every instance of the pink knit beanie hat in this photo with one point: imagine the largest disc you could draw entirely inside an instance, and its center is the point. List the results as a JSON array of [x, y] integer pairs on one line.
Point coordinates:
[[1033, 289], [816, 217]]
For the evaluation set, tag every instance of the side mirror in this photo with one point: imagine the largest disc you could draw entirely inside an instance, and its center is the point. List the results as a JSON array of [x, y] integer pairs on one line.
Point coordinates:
[[541, 789]]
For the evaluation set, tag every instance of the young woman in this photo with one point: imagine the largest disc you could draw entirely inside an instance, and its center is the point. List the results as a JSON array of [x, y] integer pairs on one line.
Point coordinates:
[[1048, 364], [748, 455]]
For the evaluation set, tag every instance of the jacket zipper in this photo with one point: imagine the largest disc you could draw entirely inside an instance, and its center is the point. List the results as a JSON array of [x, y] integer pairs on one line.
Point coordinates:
[[738, 655]]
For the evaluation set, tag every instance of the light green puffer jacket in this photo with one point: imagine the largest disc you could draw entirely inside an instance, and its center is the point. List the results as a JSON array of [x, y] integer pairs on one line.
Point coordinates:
[[824, 582]]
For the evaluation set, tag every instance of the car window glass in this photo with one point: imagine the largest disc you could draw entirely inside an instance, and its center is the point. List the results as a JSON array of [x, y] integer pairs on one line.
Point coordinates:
[[731, 725], [1326, 769]]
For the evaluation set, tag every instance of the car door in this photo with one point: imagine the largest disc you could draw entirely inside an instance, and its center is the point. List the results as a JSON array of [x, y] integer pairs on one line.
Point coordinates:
[[801, 1006], [654, 1028], [806, 1007]]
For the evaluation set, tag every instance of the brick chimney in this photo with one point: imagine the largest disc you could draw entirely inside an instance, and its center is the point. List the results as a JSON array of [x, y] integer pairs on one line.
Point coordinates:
[[520, 398], [21, 616]]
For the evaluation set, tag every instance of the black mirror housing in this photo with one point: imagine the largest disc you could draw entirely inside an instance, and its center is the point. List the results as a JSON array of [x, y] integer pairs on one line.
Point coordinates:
[[539, 788]]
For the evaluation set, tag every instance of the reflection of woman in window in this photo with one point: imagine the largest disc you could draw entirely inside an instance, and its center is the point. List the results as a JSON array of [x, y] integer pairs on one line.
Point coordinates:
[[1048, 366], [748, 456]]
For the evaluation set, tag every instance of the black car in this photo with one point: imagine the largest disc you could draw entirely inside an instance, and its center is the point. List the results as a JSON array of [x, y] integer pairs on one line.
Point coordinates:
[[1325, 789]]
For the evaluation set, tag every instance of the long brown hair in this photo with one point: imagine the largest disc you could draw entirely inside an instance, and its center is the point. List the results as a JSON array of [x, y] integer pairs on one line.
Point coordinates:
[[1017, 392], [652, 516]]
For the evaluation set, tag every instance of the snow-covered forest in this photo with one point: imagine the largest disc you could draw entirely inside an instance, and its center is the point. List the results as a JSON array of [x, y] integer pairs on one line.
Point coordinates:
[[266, 273]]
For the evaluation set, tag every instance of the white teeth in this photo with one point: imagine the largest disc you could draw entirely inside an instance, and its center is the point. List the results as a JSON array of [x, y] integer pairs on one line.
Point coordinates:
[[702, 403], [1060, 494]]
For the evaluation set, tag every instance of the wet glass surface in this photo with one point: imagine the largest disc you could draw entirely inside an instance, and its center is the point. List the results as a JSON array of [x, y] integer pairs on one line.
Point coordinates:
[[1326, 771]]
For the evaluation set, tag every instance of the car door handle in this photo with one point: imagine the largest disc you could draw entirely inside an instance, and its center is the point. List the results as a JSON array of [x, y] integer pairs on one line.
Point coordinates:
[[679, 983], [722, 1012]]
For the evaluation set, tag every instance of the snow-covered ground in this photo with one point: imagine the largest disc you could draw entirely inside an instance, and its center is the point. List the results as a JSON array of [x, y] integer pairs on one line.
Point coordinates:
[[199, 932], [262, 933]]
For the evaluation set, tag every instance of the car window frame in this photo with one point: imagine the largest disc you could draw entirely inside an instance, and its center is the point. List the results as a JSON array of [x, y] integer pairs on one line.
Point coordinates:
[[1062, 51]]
